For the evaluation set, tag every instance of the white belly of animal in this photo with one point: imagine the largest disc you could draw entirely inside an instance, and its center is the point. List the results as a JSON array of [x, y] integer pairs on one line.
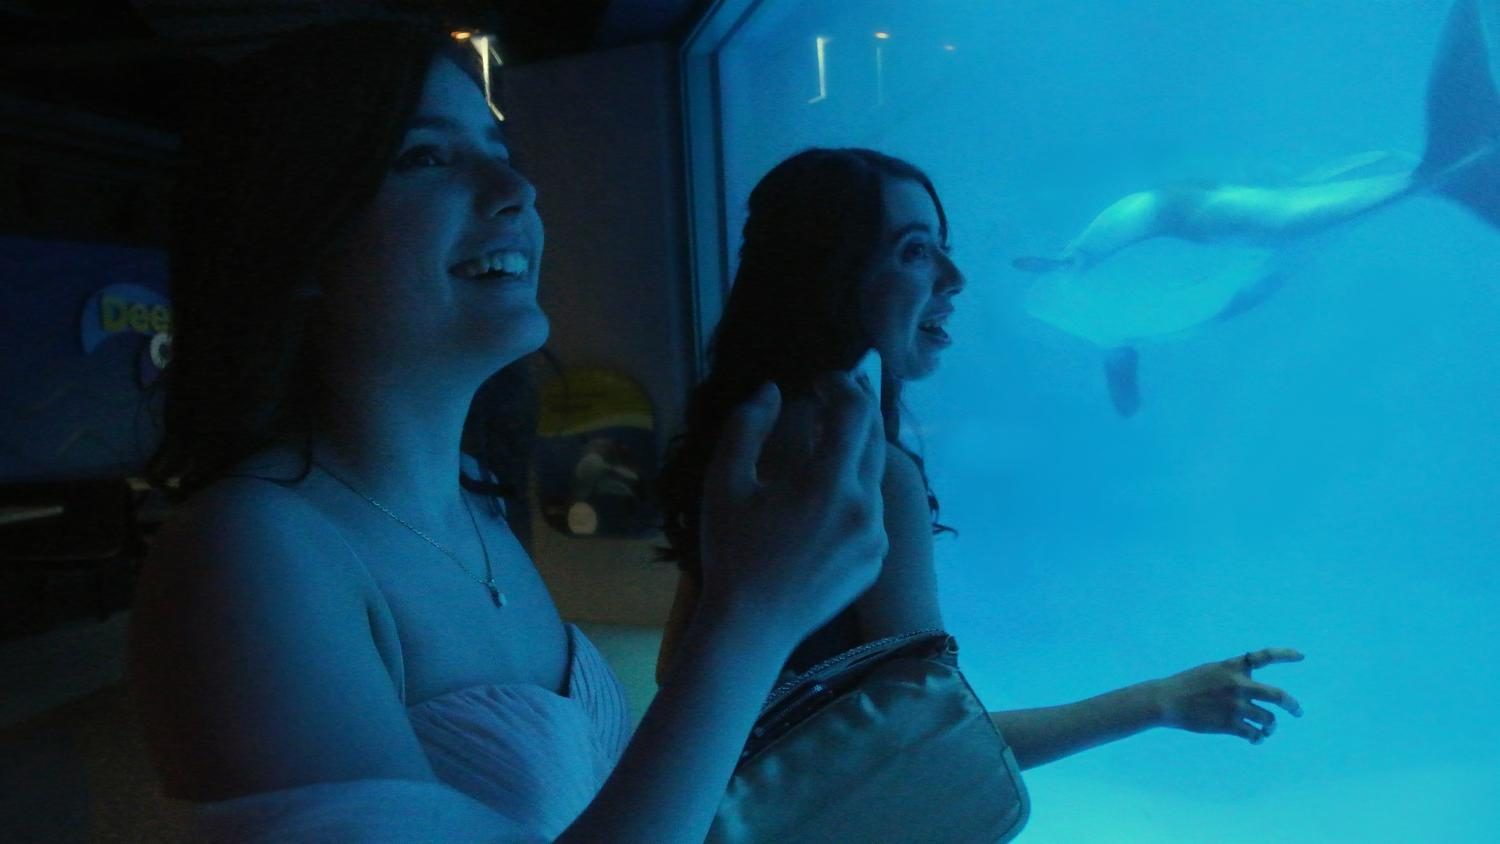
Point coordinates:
[[1151, 290]]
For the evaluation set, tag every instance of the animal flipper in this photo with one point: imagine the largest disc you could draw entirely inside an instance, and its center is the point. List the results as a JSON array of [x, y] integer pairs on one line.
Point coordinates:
[[1038, 264], [1462, 159], [1120, 366]]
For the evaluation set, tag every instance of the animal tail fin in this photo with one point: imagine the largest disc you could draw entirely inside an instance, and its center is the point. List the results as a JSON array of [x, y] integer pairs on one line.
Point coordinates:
[[1036, 264], [1462, 160], [1120, 373]]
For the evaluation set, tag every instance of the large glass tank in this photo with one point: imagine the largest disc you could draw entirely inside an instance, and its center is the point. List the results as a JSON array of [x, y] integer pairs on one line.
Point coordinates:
[[1311, 456]]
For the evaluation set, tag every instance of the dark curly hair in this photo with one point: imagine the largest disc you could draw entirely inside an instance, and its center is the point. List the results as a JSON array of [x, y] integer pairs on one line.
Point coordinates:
[[815, 222], [289, 148]]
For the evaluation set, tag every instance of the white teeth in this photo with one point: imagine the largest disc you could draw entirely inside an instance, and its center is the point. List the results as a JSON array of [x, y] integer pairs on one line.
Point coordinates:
[[514, 263], [506, 261]]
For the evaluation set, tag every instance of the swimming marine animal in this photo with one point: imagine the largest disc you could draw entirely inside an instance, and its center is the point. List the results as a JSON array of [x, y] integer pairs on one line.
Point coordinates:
[[1161, 262]]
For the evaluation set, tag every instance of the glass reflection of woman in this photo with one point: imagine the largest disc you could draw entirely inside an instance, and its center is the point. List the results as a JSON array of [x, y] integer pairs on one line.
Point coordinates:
[[844, 250], [337, 637]]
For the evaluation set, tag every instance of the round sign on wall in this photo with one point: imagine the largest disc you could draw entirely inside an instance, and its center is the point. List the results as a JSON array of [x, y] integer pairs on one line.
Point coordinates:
[[595, 455]]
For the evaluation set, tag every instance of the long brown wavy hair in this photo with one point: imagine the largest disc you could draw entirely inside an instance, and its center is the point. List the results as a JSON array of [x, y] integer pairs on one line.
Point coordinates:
[[287, 151], [815, 223]]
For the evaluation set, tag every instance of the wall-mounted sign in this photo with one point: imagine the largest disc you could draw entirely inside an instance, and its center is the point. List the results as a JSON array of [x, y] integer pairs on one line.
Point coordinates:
[[595, 456], [128, 310], [86, 325]]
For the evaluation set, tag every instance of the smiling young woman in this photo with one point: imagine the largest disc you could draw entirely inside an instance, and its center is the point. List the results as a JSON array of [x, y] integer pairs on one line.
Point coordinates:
[[337, 637]]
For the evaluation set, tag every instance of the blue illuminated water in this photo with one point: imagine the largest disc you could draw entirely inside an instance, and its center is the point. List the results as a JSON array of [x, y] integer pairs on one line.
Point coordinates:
[[1322, 472]]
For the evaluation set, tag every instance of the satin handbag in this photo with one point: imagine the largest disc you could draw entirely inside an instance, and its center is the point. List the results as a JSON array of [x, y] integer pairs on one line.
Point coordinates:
[[885, 742]]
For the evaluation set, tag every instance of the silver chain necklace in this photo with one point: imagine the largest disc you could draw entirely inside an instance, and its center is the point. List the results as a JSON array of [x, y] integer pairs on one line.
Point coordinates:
[[489, 578]]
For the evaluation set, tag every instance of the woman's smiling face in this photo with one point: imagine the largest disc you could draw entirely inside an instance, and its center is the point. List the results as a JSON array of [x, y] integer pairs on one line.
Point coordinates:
[[446, 257], [906, 297]]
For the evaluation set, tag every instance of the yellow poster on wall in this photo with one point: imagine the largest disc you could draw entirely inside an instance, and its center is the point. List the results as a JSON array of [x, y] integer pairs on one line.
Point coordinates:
[[595, 458]]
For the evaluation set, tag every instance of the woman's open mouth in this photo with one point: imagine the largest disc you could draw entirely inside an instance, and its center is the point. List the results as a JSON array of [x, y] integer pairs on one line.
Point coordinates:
[[933, 329], [500, 265]]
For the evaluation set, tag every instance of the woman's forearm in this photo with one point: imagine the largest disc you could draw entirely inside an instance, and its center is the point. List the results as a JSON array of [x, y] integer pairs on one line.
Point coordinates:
[[1039, 736], [672, 777]]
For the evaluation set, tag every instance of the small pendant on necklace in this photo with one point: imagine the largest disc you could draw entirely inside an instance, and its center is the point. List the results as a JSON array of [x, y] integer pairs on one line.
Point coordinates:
[[496, 595]]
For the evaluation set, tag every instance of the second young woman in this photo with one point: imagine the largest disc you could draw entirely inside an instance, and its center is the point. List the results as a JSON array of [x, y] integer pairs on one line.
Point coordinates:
[[846, 250]]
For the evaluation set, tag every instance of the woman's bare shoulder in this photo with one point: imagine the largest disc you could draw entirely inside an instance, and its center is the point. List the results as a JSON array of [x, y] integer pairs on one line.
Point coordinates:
[[239, 542], [236, 514], [903, 480], [251, 596], [255, 503]]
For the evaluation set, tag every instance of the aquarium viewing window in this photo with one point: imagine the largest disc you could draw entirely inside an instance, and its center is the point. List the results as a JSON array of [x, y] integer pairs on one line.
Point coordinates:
[[1224, 376]]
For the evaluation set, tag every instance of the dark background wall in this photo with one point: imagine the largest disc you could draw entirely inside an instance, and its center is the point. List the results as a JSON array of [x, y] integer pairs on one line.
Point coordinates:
[[88, 121]]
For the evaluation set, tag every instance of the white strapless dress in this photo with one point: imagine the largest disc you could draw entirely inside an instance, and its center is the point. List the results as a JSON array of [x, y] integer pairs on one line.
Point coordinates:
[[516, 763]]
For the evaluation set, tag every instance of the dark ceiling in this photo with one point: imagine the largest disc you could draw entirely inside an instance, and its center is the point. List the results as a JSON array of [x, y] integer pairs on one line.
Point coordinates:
[[135, 59]]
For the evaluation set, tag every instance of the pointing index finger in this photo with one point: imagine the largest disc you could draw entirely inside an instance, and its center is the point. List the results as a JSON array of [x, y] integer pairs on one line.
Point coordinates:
[[1268, 656]]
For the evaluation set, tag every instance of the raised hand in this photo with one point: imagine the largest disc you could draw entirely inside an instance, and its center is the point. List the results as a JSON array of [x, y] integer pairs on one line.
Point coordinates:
[[793, 535], [1219, 697]]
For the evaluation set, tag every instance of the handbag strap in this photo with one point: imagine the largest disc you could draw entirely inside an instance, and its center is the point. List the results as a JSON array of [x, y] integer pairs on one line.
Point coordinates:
[[849, 663], [801, 697]]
